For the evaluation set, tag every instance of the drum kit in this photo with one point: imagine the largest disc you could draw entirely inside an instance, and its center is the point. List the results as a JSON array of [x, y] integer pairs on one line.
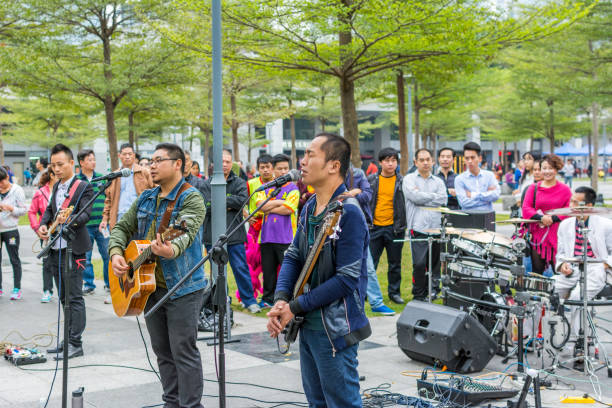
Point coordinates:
[[510, 297]]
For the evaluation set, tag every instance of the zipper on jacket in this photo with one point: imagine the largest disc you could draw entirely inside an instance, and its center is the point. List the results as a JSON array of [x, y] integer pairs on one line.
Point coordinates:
[[327, 333], [346, 314]]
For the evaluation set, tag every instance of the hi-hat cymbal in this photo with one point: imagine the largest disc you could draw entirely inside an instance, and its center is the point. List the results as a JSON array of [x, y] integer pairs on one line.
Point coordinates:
[[444, 210], [578, 260], [516, 221], [579, 211]]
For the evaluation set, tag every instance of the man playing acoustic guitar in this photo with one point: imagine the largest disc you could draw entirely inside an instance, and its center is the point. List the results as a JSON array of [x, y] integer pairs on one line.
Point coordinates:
[[335, 320], [174, 326]]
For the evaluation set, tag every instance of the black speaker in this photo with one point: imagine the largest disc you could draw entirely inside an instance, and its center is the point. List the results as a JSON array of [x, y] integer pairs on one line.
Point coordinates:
[[466, 287], [478, 219], [441, 335]]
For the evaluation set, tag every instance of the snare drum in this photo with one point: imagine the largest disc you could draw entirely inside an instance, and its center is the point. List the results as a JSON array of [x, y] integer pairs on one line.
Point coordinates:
[[469, 247], [471, 268], [497, 245], [535, 283]]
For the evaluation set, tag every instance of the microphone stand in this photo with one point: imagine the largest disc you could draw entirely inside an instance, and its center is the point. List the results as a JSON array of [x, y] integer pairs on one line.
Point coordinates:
[[68, 234], [219, 256]]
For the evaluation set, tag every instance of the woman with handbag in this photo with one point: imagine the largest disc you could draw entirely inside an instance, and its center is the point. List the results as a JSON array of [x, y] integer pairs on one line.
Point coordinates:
[[545, 195]]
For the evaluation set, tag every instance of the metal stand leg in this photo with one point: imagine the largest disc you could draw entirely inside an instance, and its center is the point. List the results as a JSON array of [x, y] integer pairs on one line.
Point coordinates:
[[429, 271]]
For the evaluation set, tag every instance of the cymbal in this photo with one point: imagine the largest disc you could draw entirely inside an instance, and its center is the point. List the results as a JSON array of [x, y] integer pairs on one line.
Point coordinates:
[[516, 221], [444, 210], [578, 260], [579, 211]]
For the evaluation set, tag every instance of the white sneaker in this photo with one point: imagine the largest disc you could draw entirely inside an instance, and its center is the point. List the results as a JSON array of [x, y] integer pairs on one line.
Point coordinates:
[[108, 300], [254, 308], [46, 297]]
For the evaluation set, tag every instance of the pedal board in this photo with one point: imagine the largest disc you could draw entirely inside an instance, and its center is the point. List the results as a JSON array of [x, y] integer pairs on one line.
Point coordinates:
[[24, 356]]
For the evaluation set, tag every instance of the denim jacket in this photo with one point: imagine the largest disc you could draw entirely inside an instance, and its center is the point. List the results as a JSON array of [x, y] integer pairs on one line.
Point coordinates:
[[342, 276], [187, 247]]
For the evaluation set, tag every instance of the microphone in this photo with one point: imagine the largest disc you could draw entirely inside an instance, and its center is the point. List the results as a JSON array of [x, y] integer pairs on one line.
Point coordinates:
[[293, 175], [113, 175]]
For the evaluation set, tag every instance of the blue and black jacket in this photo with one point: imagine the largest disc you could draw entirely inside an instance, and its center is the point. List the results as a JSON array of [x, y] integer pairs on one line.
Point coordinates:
[[342, 276]]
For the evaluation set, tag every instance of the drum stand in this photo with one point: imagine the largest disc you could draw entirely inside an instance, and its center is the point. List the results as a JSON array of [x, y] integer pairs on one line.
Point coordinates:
[[586, 321]]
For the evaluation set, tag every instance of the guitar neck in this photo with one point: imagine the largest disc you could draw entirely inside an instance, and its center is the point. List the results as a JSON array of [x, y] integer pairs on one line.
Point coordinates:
[[311, 259]]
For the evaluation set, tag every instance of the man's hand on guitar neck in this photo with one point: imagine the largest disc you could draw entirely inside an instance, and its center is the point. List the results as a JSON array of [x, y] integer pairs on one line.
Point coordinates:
[[280, 315], [162, 248]]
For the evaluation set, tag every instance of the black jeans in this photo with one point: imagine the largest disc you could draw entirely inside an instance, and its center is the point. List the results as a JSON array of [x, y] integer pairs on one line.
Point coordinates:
[[174, 332], [538, 264], [76, 326], [47, 273], [271, 258], [10, 240], [420, 265], [381, 238]]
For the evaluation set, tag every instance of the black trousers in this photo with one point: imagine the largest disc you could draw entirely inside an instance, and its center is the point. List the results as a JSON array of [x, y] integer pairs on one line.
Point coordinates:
[[538, 264], [381, 238], [10, 241], [46, 272], [76, 326], [271, 258], [173, 329], [420, 265]]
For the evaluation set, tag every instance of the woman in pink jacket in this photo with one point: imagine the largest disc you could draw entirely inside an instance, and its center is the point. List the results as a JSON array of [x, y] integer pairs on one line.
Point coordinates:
[[37, 209], [541, 197]]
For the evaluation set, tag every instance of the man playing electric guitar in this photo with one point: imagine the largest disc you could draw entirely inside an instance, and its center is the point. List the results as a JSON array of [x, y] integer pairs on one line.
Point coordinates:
[[333, 308], [174, 326], [68, 191]]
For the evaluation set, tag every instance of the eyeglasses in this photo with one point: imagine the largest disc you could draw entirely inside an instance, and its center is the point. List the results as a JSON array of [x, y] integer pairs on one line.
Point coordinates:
[[157, 161]]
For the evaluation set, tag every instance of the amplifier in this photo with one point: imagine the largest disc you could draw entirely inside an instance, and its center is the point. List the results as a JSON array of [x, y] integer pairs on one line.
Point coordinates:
[[478, 219]]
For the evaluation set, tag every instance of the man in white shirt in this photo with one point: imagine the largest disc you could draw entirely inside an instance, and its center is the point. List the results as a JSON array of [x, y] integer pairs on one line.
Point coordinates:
[[422, 189], [476, 188]]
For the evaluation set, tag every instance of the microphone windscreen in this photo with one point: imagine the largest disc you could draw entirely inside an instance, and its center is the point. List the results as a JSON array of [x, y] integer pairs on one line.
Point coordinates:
[[295, 174], [126, 172]]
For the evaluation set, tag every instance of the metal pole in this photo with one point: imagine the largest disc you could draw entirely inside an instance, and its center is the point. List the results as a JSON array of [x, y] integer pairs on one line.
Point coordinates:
[[410, 135], [218, 203]]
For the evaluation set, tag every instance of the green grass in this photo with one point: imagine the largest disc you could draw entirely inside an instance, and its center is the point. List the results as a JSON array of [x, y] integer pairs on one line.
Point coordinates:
[[24, 220], [501, 217], [406, 286]]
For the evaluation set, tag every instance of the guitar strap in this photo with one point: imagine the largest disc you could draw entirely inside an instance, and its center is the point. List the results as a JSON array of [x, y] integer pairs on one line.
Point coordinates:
[[163, 225], [71, 192]]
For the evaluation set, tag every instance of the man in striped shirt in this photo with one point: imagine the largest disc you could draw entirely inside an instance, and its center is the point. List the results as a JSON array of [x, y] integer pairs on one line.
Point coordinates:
[[87, 161]]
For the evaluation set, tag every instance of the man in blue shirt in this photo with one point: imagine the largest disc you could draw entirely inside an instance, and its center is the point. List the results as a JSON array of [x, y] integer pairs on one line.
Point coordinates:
[[476, 188]]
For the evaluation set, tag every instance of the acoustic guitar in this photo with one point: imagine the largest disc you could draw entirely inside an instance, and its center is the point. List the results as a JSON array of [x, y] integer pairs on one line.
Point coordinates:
[[129, 293]]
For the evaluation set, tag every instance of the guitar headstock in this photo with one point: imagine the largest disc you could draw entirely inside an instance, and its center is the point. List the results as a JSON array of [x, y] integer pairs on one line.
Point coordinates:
[[334, 211]]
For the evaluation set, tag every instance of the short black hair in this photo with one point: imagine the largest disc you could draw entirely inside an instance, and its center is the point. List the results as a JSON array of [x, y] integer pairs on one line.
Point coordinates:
[[58, 148], [174, 152], [138, 156], [388, 152], [82, 155], [264, 159], [590, 195], [279, 158], [125, 146], [534, 155], [228, 151], [475, 147], [44, 161], [422, 149], [337, 148], [446, 148], [3, 174], [195, 163]]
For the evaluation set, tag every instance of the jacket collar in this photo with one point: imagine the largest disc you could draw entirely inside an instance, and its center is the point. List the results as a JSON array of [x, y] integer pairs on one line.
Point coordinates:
[[172, 195]]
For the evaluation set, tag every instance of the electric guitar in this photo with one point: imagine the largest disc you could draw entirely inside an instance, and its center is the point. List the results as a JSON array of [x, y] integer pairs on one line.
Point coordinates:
[[66, 213], [329, 227], [129, 293]]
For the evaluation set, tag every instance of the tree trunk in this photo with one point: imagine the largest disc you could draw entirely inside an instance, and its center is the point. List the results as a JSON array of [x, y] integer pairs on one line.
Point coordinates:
[[349, 118], [206, 149], [595, 145], [434, 144], [401, 114], [109, 110], [236, 152], [551, 129], [504, 162], [131, 128], [322, 118], [292, 131], [250, 145], [347, 88], [1, 147], [417, 118], [516, 154]]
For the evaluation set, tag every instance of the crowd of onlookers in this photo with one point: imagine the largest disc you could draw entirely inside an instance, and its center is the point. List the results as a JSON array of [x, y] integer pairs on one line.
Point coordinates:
[[394, 206]]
